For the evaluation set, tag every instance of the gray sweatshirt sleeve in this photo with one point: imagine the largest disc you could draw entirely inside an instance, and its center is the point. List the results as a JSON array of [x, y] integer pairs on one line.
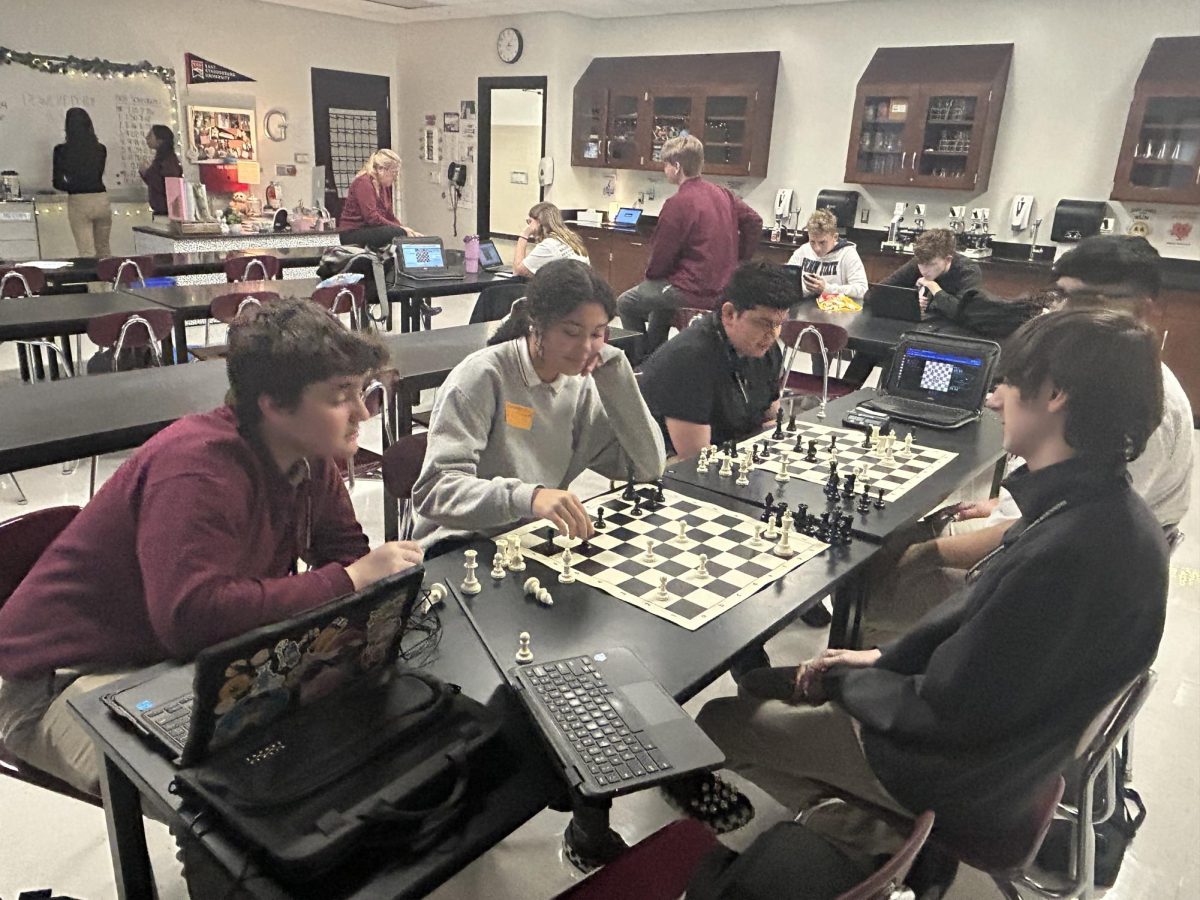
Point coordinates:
[[448, 491], [853, 275], [617, 428]]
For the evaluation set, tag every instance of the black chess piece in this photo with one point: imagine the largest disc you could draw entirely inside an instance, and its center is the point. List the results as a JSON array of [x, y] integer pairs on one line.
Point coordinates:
[[846, 533], [658, 491], [864, 499], [637, 505], [811, 456], [755, 459], [831, 486], [630, 487], [866, 444], [798, 447], [780, 511], [600, 524], [879, 500], [833, 467], [769, 502], [777, 434], [887, 428], [791, 426], [848, 490], [833, 443]]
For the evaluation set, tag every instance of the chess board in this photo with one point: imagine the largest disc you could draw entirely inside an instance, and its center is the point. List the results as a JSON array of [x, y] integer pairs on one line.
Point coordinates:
[[898, 478], [613, 560]]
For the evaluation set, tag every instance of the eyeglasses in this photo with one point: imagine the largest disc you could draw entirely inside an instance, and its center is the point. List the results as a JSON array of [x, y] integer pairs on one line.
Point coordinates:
[[767, 326]]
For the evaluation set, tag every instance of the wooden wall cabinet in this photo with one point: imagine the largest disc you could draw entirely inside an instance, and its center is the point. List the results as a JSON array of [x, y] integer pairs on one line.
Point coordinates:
[[1159, 159], [928, 116], [626, 108]]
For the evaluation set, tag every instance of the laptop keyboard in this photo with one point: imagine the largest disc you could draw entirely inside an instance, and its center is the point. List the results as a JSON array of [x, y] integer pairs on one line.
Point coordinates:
[[577, 698], [174, 719], [930, 411]]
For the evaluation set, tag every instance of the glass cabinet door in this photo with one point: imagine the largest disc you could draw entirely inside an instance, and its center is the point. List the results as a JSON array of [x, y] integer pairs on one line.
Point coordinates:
[[950, 140], [587, 144], [727, 133], [670, 117], [883, 148], [1167, 149], [624, 115]]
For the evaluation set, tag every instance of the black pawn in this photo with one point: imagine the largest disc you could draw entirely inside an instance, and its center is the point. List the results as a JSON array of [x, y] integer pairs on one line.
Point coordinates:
[[848, 490], [637, 505], [769, 502], [658, 492], [777, 434], [866, 444], [791, 426], [630, 489], [833, 443], [864, 499], [846, 536], [798, 447], [600, 524], [811, 456], [879, 500], [780, 510], [765, 453]]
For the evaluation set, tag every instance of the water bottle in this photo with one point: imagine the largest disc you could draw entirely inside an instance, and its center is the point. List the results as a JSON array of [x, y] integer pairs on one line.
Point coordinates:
[[471, 253]]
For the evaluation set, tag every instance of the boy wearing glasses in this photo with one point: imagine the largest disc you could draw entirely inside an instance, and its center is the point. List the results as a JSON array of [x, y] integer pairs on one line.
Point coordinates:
[[197, 537], [718, 379]]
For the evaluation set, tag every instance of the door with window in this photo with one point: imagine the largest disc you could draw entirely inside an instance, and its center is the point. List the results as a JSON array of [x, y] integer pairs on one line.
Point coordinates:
[[352, 118]]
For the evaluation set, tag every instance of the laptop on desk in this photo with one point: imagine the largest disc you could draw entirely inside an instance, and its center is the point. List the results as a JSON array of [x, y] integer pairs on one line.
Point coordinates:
[[490, 259], [891, 301], [626, 218], [937, 380], [251, 681], [424, 259]]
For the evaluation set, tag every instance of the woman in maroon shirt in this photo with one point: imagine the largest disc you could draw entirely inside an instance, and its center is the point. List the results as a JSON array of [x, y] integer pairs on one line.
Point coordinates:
[[367, 218]]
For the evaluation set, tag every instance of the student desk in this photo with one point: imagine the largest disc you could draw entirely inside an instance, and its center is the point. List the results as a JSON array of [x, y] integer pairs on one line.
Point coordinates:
[[415, 294], [583, 620], [871, 333], [978, 445]]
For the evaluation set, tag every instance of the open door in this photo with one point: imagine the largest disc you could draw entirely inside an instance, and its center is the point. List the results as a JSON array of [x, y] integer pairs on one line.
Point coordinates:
[[512, 142]]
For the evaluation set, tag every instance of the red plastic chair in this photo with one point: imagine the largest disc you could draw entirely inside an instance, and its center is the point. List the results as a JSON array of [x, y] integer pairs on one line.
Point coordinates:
[[253, 267], [344, 298], [806, 384], [22, 542], [685, 315], [29, 281], [227, 307], [119, 270], [402, 463], [21, 281]]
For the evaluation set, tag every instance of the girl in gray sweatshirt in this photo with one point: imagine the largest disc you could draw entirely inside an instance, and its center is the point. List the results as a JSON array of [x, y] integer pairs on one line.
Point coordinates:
[[516, 422]]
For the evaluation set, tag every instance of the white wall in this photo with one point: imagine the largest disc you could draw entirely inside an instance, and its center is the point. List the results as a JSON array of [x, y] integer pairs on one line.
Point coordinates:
[[1074, 67], [273, 44]]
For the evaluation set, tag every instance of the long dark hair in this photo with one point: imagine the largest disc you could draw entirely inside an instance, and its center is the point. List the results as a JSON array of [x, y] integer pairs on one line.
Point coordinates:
[[165, 151], [554, 293], [79, 128]]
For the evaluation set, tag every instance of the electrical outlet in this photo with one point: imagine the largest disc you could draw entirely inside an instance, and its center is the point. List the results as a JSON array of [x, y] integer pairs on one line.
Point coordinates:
[[1107, 225], [864, 216]]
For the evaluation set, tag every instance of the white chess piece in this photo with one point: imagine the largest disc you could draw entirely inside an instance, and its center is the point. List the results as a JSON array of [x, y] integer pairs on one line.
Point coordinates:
[[662, 594], [682, 537], [874, 438], [888, 458], [726, 466], [437, 596], [470, 584], [785, 462], [784, 547], [566, 576], [770, 534], [702, 567], [524, 654], [498, 565], [702, 462], [757, 540], [532, 586], [744, 465], [648, 557], [908, 444], [543, 597], [516, 556]]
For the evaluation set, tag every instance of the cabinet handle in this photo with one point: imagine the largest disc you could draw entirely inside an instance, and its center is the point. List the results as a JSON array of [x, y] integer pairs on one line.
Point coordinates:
[[903, 158], [1163, 345], [632, 244], [914, 161]]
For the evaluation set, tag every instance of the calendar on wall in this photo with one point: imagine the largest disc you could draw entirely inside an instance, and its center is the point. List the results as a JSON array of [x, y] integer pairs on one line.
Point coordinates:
[[352, 139]]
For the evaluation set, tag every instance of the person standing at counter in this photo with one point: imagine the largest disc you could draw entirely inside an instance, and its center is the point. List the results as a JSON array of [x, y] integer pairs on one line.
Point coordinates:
[[703, 232], [546, 238], [79, 171], [831, 264], [368, 217], [165, 165]]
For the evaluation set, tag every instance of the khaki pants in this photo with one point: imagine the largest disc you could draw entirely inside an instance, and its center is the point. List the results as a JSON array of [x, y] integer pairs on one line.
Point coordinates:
[[90, 216], [794, 751], [40, 729]]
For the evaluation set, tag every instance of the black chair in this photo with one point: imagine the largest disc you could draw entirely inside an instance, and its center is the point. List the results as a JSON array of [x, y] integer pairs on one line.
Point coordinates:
[[496, 300]]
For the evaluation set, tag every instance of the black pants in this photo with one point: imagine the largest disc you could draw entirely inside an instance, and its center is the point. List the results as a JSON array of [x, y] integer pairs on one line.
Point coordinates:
[[373, 235]]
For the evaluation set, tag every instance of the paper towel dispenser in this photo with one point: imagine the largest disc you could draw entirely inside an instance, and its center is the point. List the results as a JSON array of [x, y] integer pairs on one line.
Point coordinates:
[[1076, 219], [843, 205]]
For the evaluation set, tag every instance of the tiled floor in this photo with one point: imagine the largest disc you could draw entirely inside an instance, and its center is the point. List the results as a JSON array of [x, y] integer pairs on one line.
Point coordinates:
[[47, 841]]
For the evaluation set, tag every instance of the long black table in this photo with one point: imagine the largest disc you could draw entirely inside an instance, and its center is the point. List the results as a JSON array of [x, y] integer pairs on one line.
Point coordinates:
[[414, 295], [583, 620], [871, 333], [978, 447]]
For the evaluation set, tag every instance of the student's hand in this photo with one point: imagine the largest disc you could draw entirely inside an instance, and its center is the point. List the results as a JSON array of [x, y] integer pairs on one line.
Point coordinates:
[[411, 232], [931, 286], [810, 675], [564, 510], [592, 364], [814, 283], [531, 231], [772, 415], [386, 559], [978, 509], [920, 557]]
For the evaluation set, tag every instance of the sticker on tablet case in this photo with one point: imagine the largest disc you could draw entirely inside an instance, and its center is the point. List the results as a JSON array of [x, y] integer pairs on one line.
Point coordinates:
[[518, 416]]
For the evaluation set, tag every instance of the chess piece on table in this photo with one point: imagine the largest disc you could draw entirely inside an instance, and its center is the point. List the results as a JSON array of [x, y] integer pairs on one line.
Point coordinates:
[[798, 447], [543, 597], [791, 425], [777, 434], [637, 506], [785, 462], [726, 466], [566, 576], [524, 654], [661, 593], [436, 596], [600, 524], [811, 456], [682, 537], [498, 571], [757, 540], [648, 557], [879, 500], [659, 497], [784, 548], [848, 488], [768, 503], [866, 443], [516, 556], [833, 444], [888, 458], [470, 584], [864, 500], [770, 534], [532, 586], [908, 444], [743, 478], [702, 567], [702, 462]]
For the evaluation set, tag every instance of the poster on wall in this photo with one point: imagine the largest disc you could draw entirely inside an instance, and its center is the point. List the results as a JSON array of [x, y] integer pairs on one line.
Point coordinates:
[[450, 122], [1181, 231], [221, 134], [466, 109], [201, 71]]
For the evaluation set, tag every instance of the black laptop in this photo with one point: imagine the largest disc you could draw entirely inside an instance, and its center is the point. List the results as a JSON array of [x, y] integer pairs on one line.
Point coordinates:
[[249, 682], [937, 380], [891, 301], [490, 260], [424, 259]]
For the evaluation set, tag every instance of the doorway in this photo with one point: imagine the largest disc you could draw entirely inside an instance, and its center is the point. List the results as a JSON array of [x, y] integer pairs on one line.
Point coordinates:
[[512, 142], [352, 118]]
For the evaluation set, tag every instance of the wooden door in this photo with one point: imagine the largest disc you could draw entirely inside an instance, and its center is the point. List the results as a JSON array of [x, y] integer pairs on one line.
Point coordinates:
[[599, 254], [671, 114], [352, 118], [625, 129], [629, 255]]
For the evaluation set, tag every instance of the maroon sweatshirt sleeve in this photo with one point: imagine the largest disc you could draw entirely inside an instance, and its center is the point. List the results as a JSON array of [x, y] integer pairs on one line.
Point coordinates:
[[336, 535], [195, 594], [750, 226], [668, 240], [370, 205]]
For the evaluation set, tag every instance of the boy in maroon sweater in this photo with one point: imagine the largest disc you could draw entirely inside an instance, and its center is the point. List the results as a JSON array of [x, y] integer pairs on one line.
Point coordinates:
[[196, 537]]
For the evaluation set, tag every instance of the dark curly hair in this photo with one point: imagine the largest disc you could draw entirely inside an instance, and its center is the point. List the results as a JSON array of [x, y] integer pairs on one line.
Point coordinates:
[[554, 293], [281, 348], [1107, 364]]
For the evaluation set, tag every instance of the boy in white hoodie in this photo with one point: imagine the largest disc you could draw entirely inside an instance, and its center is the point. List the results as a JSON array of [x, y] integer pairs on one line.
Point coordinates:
[[830, 264]]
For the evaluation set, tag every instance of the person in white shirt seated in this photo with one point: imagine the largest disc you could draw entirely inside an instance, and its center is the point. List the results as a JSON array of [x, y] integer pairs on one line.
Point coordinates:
[[1113, 272], [830, 263], [546, 238]]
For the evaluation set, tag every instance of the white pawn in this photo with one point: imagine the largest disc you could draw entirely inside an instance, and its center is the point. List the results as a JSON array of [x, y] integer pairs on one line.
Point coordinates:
[[702, 567], [757, 540], [532, 586], [516, 556], [908, 444], [543, 597], [524, 654], [662, 594], [648, 557], [682, 537], [702, 462], [437, 595], [744, 465], [498, 566], [770, 533], [785, 461], [566, 576], [470, 584]]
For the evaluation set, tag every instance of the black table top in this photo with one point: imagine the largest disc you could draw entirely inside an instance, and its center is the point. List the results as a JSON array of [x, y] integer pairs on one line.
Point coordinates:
[[448, 287], [195, 299], [978, 445], [870, 332], [55, 314]]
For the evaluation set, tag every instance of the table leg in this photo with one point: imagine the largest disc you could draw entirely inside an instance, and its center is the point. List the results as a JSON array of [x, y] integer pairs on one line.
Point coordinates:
[[588, 840], [849, 601], [68, 354], [168, 350], [126, 834], [181, 345]]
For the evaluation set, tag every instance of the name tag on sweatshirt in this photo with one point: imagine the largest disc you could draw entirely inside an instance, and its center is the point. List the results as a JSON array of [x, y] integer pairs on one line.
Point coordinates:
[[518, 416]]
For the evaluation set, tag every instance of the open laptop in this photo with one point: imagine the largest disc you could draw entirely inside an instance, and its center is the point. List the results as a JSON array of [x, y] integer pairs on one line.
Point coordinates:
[[250, 681], [607, 719], [424, 259], [490, 260], [891, 301], [626, 218], [937, 380]]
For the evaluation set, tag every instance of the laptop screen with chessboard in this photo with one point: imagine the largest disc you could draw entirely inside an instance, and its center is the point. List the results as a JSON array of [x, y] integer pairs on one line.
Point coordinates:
[[422, 256], [945, 378]]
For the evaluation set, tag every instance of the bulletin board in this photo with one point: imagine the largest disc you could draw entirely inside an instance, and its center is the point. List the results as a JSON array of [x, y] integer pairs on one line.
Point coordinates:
[[123, 99]]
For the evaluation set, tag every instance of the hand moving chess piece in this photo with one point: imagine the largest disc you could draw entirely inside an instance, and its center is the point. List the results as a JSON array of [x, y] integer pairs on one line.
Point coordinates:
[[524, 654]]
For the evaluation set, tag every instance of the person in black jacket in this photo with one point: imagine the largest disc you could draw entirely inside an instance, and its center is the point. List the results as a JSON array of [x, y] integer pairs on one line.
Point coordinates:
[[984, 702], [79, 170], [946, 283], [165, 165]]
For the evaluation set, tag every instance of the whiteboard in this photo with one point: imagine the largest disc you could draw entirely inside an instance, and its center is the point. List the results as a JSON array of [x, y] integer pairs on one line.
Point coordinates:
[[32, 108]]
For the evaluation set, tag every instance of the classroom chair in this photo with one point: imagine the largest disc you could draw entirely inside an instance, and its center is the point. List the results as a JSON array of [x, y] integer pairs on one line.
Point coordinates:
[[29, 281], [253, 267], [496, 300], [797, 340], [119, 270], [367, 463], [342, 299], [402, 463], [225, 309], [686, 315], [22, 542]]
